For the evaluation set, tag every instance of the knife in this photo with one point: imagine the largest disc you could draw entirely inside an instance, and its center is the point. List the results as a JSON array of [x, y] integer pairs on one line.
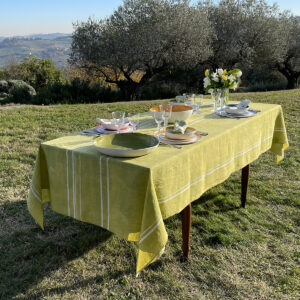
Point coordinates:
[[202, 132]]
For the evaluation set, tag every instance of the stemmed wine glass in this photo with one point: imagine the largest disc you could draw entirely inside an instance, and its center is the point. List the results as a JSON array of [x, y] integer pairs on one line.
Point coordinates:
[[118, 119], [134, 120], [166, 113], [158, 117]]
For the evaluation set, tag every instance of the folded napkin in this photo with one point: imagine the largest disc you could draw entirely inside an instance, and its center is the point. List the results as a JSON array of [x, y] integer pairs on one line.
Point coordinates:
[[179, 126], [244, 104]]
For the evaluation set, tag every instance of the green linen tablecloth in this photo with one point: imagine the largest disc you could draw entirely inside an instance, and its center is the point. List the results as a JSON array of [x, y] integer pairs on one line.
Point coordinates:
[[132, 196]]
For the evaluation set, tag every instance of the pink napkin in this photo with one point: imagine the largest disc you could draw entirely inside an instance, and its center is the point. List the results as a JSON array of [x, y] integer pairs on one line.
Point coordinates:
[[124, 128]]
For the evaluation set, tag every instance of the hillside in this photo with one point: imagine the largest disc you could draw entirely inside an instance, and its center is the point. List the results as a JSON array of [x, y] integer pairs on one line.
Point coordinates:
[[49, 46]]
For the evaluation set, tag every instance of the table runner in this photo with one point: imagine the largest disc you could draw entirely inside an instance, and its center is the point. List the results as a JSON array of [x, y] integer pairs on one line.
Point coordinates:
[[132, 196]]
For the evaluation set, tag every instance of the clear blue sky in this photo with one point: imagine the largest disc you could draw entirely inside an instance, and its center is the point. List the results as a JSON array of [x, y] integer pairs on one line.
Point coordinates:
[[22, 17]]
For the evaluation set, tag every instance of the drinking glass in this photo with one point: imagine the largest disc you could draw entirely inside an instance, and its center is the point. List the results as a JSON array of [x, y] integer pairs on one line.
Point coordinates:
[[134, 121], [166, 113], [188, 102], [158, 117], [179, 99], [197, 103], [118, 119]]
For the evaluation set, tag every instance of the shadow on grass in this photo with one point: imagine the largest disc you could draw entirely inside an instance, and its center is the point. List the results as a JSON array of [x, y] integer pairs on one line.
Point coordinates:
[[80, 284], [217, 202], [29, 254]]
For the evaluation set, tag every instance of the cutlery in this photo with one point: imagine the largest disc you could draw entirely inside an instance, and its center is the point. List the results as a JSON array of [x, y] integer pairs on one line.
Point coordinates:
[[202, 132], [90, 132], [224, 114]]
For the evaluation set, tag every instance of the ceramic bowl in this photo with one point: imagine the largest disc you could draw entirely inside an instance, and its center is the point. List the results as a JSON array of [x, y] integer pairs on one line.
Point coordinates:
[[234, 110], [126, 144], [179, 112], [189, 133]]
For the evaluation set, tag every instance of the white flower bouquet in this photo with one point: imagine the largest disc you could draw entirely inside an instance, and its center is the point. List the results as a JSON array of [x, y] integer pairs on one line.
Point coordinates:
[[221, 79]]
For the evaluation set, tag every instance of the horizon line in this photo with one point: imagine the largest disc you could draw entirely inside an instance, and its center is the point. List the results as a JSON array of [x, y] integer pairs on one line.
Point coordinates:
[[29, 34]]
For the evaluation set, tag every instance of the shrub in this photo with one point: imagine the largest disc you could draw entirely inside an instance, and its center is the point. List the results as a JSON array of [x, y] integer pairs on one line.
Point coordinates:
[[75, 92], [157, 92], [3, 86], [20, 84], [265, 80], [19, 95]]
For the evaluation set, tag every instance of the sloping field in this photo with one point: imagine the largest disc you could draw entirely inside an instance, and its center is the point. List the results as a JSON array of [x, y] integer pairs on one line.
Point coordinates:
[[17, 49]]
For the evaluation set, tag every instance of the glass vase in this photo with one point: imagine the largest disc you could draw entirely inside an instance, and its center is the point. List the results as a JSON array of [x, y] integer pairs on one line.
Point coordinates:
[[224, 97], [216, 99]]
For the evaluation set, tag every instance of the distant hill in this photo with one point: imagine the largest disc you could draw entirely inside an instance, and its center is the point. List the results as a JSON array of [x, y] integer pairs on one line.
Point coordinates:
[[55, 46]]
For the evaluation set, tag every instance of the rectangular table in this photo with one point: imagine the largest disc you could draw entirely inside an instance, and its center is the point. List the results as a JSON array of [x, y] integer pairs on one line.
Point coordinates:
[[132, 196]]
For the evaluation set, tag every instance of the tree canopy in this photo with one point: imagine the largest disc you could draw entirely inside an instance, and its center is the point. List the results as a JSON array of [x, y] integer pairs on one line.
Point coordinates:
[[251, 34], [289, 63], [246, 32], [144, 36]]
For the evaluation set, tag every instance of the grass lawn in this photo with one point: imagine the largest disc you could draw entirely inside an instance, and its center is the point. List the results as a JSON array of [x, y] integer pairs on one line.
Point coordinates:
[[250, 253]]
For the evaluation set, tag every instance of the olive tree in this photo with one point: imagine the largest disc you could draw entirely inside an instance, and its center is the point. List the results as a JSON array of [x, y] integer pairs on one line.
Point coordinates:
[[141, 39], [289, 63], [248, 33]]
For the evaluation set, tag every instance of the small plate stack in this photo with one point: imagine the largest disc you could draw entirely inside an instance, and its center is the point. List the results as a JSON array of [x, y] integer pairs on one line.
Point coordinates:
[[170, 136], [108, 126]]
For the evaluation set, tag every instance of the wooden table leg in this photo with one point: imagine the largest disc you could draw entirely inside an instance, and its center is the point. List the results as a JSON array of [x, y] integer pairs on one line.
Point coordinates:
[[186, 215], [245, 180]]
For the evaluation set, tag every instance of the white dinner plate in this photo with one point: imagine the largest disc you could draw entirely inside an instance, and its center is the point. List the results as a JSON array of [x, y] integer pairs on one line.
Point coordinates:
[[247, 114], [162, 138]]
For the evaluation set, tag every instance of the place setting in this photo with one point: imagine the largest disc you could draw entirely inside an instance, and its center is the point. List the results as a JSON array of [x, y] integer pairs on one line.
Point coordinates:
[[236, 111], [117, 124], [179, 133]]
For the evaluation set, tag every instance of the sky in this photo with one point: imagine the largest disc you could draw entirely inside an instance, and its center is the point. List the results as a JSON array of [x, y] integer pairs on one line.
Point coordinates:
[[24, 17]]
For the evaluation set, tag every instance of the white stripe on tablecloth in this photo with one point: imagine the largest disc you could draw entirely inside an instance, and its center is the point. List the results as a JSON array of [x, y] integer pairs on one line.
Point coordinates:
[[197, 120], [147, 229], [280, 130], [35, 193], [79, 186], [74, 182], [100, 185], [68, 193], [142, 239], [107, 174], [197, 180]]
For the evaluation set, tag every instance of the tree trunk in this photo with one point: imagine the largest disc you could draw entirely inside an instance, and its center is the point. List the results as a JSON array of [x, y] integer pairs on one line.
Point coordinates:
[[128, 90], [292, 82]]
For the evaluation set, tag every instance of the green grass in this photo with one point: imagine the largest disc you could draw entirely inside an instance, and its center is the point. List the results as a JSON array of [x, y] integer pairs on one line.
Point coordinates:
[[250, 253]]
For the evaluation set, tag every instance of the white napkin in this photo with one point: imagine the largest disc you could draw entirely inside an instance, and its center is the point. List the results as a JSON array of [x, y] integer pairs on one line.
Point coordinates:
[[179, 126], [243, 104]]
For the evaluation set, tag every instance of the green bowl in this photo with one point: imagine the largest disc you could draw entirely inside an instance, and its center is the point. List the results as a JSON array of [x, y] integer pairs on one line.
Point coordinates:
[[126, 144]]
